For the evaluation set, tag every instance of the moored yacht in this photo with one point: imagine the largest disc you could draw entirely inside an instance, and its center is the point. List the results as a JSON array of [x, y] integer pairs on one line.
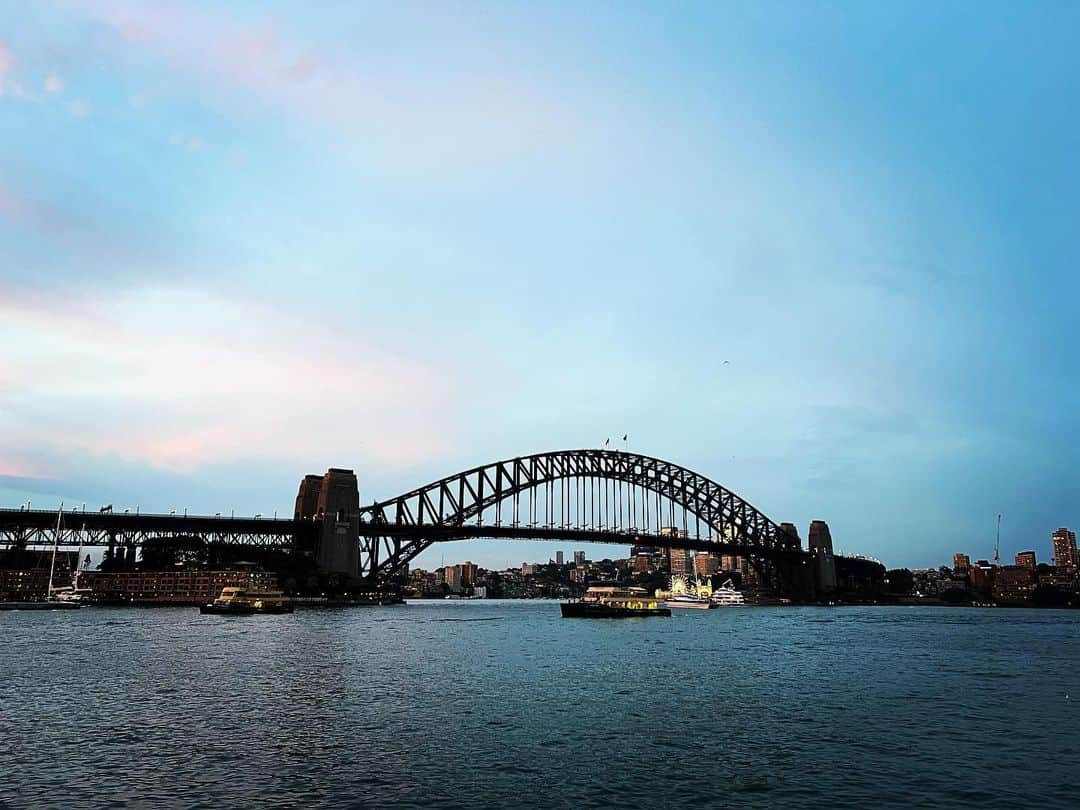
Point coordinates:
[[687, 601], [727, 596]]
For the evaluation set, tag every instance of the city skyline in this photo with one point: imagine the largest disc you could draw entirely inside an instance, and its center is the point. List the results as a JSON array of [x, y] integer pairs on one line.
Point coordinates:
[[822, 256]]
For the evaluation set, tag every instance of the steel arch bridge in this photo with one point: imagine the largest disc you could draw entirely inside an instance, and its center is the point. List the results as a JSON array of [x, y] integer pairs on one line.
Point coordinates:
[[600, 496], [606, 496]]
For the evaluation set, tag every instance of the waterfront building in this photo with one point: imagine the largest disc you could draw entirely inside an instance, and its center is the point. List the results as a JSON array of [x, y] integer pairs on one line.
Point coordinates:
[[468, 573], [1064, 543], [1026, 559], [579, 558], [193, 587], [452, 578], [1014, 583], [961, 563], [982, 575], [558, 558], [1066, 582]]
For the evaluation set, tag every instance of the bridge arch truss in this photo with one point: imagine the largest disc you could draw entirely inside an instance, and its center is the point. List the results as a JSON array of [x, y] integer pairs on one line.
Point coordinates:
[[594, 495]]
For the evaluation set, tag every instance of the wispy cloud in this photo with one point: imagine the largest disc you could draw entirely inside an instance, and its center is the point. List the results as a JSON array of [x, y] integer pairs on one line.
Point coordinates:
[[8, 86], [177, 380], [471, 112], [53, 83]]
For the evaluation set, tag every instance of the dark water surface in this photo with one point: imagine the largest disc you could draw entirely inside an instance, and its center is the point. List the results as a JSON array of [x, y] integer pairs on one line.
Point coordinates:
[[500, 704]]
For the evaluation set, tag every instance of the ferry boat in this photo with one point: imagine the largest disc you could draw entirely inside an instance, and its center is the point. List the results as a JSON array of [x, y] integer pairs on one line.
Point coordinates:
[[727, 596], [245, 602], [613, 602]]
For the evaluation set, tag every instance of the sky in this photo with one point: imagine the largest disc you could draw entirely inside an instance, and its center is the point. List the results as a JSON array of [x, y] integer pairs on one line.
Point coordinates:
[[824, 253]]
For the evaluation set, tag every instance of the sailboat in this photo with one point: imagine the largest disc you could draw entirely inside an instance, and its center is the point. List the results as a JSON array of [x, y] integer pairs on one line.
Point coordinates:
[[66, 597], [62, 598]]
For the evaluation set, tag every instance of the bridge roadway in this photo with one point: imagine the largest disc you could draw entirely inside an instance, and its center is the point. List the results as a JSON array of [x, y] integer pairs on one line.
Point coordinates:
[[35, 528]]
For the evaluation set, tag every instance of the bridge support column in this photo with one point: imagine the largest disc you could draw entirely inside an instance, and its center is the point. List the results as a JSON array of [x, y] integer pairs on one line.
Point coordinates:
[[333, 501]]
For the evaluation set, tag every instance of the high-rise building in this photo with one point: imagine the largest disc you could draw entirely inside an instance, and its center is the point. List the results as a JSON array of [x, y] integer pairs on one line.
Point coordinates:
[[734, 563], [960, 563], [528, 569], [558, 558], [1026, 559], [1064, 543], [579, 558], [680, 561], [819, 540], [468, 573], [705, 564], [452, 577]]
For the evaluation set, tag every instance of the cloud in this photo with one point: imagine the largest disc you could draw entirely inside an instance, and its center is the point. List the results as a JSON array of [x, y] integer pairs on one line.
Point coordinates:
[[177, 380], [85, 235], [81, 109], [8, 86], [471, 111], [53, 83]]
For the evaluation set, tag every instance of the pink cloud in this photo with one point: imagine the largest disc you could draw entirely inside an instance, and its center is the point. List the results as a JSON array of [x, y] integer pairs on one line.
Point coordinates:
[[7, 85], [53, 83], [224, 382]]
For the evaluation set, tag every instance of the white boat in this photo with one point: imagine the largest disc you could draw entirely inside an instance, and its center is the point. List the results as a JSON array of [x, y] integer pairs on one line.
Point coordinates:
[[63, 598], [682, 597], [727, 596], [688, 601]]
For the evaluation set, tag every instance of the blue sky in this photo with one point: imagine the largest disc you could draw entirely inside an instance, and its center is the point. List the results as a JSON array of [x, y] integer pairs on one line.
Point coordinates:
[[242, 242]]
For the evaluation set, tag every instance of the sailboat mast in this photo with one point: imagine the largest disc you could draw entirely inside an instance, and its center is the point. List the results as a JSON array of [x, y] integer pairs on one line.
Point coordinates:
[[56, 543], [78, 560]]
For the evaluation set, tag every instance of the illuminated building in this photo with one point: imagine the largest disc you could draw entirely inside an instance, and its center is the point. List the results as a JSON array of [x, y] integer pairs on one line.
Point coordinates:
[[1026, 559], [1064, 543]]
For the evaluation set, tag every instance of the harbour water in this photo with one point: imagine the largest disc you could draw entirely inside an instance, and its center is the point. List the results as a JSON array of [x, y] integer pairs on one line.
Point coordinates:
[[499, 704]]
